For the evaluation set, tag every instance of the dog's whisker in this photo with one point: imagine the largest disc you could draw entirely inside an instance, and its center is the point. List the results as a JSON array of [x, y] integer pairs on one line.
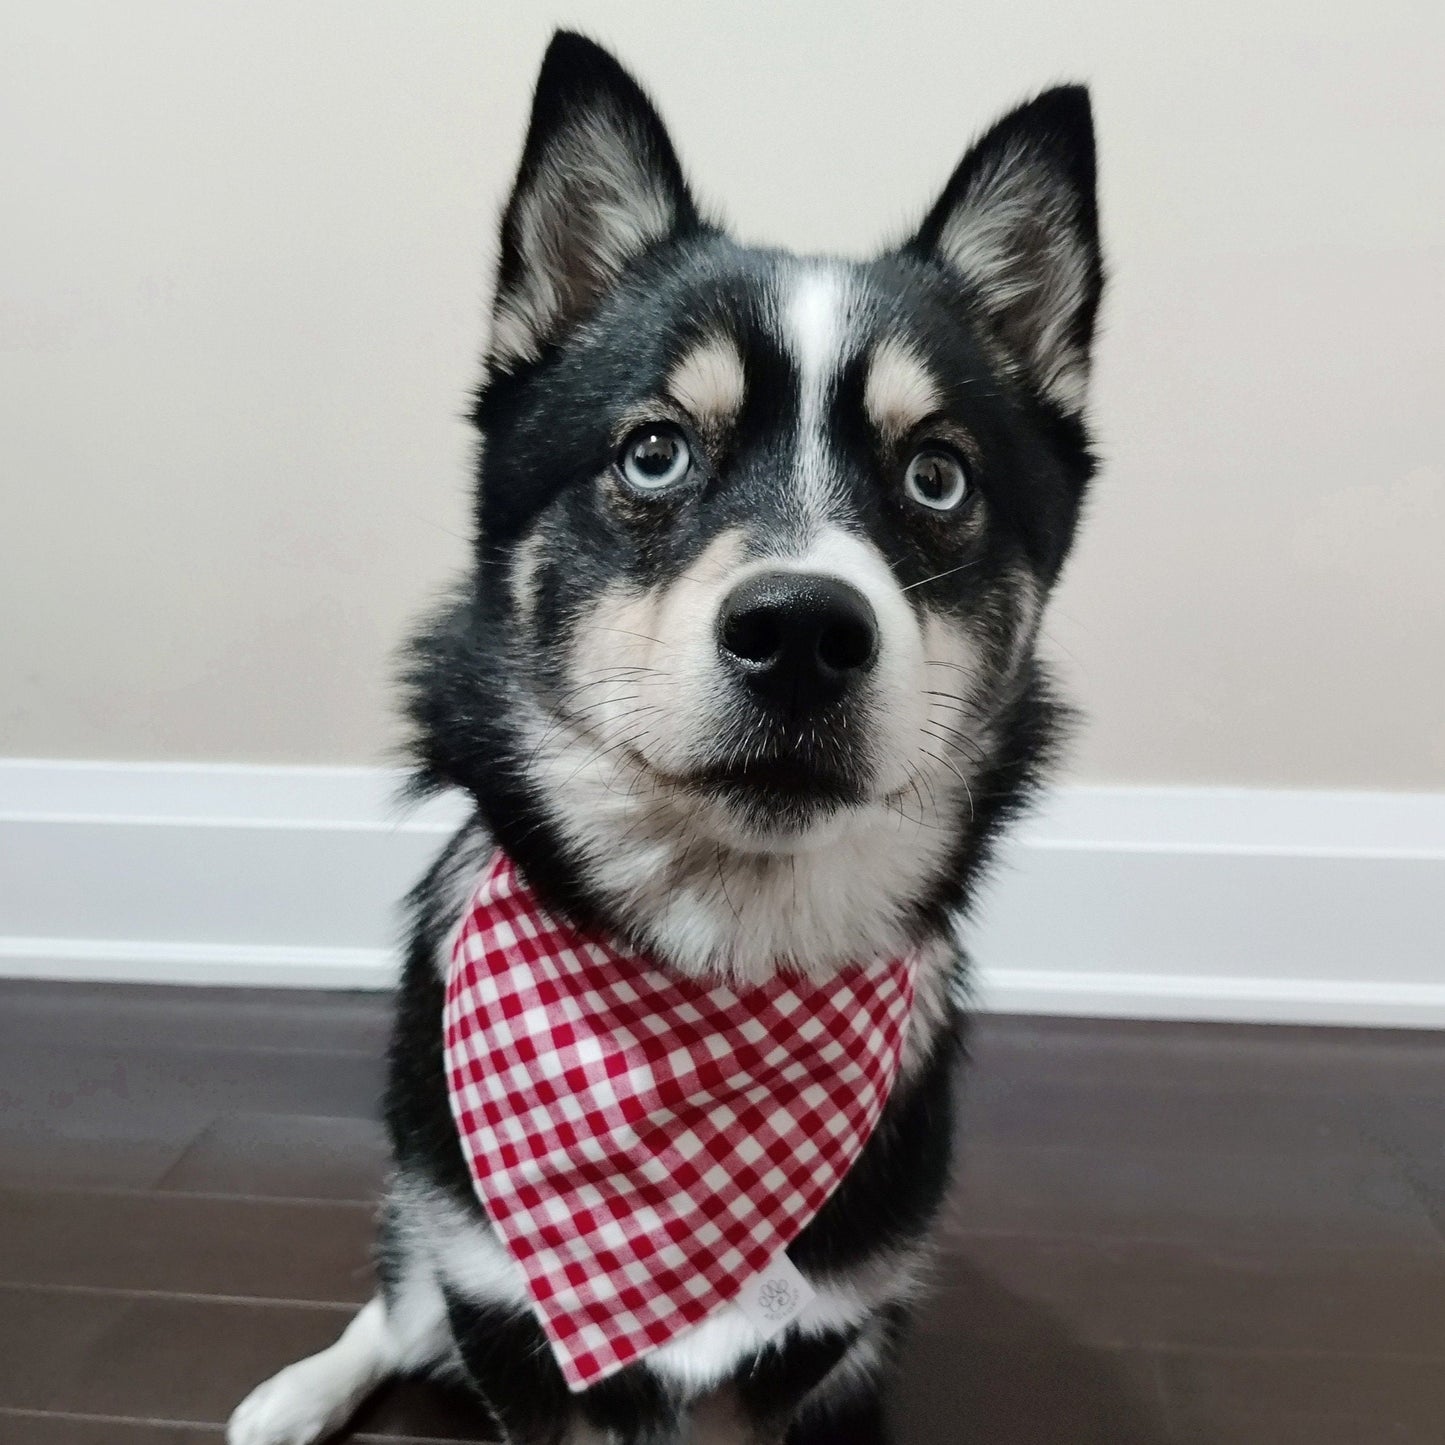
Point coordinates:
[[972, 816], [957, 738], [938, 576], [722, 883], [624, 632]]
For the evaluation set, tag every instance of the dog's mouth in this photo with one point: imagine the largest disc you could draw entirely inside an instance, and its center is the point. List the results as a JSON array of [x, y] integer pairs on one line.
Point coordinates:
[[790, 780], [780, 786]]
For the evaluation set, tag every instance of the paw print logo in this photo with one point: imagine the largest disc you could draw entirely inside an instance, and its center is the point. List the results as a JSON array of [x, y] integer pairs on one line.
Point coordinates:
[[777, 1299]]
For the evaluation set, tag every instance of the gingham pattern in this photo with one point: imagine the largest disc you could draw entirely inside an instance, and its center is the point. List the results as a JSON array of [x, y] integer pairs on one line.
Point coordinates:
[[646, 1144]]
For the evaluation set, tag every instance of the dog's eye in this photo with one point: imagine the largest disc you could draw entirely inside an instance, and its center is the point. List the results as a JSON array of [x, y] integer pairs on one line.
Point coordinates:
[[937, 480], [655, 457]]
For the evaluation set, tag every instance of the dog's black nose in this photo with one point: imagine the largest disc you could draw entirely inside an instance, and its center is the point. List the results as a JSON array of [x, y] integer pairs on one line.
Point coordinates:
[[798, 639]]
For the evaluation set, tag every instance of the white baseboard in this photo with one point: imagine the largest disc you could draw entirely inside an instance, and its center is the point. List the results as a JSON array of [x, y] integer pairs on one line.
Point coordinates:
[[1203, 997], [1193, 903], [230, 965]]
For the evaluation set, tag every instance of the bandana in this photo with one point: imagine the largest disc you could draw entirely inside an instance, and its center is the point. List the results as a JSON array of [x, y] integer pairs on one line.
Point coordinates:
[[648, 1145]]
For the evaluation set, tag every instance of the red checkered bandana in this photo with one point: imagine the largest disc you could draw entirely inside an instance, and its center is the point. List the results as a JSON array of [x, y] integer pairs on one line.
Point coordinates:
[[647, 1144]]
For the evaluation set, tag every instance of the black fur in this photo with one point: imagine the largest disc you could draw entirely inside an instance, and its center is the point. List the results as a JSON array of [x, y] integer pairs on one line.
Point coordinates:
[[549, 421]]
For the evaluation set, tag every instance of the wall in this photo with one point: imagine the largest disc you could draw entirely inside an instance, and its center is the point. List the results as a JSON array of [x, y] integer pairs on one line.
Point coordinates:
[[242, 275]]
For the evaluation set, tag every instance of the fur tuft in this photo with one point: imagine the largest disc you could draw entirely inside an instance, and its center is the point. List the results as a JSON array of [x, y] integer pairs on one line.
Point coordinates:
[[598, 185], [1018, 222]]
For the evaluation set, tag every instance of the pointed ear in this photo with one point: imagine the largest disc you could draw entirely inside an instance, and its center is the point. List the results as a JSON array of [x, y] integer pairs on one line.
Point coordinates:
[[1019, 223], [598, 184]]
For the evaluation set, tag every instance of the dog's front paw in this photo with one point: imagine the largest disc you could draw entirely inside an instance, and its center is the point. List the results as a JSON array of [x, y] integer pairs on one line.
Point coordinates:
[[296, 1407]]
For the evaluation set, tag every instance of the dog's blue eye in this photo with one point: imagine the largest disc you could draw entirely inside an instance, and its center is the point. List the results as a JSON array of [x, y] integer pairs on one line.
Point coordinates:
[[655, 457], [937, 480]]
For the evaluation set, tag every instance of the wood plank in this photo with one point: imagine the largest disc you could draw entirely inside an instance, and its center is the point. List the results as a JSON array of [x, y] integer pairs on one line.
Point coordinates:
[[284, 1156], [181, 1244]]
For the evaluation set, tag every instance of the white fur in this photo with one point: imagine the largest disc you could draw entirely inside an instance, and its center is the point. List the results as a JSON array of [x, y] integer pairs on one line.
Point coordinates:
[[1014, 235], [711, 1351], [449, 1246], [816, 310], [517, 325]]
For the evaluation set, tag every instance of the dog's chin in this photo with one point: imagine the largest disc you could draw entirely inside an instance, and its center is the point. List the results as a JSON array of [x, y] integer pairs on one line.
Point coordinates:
[[772, 806]]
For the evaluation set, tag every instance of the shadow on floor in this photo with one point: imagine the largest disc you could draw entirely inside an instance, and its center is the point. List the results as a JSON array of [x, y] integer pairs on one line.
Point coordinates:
[[985, 1366]]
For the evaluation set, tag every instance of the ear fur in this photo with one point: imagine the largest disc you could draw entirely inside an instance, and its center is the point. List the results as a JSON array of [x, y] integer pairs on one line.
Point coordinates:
[[1018, 222], [599, 183]]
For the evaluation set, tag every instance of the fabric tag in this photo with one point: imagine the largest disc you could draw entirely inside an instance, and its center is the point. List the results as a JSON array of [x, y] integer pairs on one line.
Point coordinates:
[[774, 1297]]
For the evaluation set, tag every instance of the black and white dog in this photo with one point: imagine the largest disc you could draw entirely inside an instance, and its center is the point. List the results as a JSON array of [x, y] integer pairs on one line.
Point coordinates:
[[744, 674]]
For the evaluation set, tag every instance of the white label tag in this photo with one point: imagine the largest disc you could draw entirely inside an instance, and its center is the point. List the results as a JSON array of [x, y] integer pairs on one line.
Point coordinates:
[[775, 1297]]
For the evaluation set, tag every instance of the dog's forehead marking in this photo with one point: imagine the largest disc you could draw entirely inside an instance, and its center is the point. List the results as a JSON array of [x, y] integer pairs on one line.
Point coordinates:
[[709, 382], [815, 317], [900, 391], [818, 311]]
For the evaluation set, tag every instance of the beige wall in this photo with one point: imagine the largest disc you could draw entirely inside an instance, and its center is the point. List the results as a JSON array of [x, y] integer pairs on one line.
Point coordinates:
[[241, 283]]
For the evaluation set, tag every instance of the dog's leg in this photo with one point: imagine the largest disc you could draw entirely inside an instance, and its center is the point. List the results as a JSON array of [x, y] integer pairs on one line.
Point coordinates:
[[315, 1397], [505, 1358], [778, 1393], [857, 1420]]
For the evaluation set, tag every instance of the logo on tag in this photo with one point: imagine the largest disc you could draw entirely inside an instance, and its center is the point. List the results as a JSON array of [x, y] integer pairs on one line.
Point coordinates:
[[775, 1297]]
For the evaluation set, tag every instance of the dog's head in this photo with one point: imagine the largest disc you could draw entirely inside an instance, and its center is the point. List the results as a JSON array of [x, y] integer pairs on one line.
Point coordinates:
[[762, 539]]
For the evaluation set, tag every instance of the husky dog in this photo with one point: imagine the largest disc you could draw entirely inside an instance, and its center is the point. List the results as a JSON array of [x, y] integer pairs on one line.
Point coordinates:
[[744, 674]]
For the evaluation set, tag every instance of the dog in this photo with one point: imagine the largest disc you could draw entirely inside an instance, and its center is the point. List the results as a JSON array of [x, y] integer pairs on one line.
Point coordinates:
[[744, 673]]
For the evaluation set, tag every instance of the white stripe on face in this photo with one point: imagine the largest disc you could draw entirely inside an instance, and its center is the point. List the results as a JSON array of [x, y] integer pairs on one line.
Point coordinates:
[[816, 314]]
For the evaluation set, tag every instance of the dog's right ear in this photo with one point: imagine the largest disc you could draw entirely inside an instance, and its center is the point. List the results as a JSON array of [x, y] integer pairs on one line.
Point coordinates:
[[599, 184], [1019, 224]]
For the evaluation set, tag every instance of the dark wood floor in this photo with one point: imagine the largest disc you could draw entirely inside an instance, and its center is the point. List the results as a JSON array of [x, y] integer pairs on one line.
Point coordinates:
[[1162, 1235]]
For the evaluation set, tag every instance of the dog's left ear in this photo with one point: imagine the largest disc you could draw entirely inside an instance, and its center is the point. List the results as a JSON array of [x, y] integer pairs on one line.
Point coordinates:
[[598, 185], [1019, 223]]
